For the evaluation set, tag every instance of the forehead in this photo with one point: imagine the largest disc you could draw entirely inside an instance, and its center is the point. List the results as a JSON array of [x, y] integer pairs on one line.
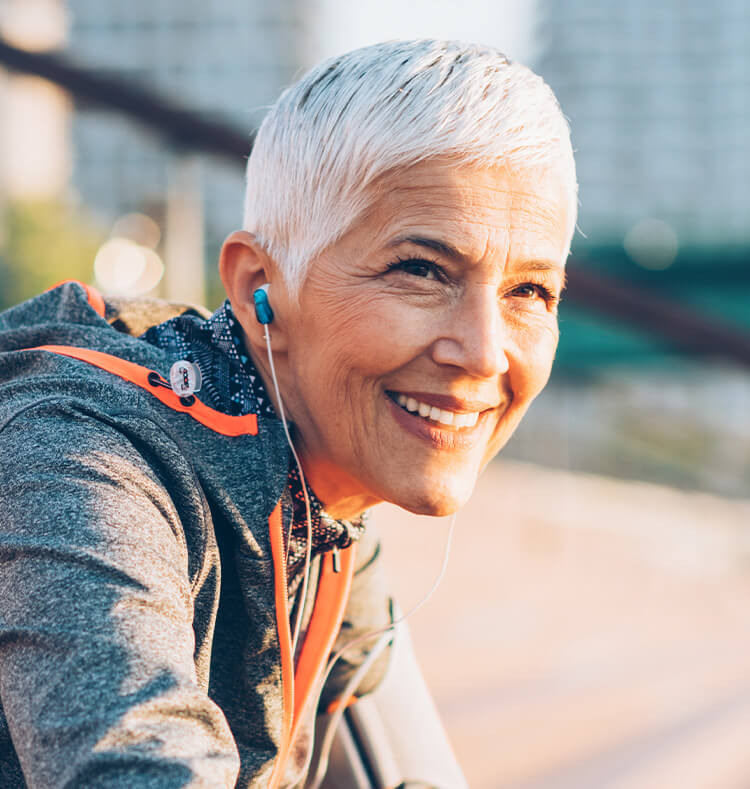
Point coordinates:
[[472, 207]]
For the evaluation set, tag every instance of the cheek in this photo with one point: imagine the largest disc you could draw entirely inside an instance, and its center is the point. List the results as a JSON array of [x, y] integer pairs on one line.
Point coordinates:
[[530, 367], [535, 369], [532, 353], [376, 336], [337, 369]]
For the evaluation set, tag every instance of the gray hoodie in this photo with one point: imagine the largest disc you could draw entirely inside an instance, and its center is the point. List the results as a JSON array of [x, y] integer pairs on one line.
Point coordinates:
[[143, 623]]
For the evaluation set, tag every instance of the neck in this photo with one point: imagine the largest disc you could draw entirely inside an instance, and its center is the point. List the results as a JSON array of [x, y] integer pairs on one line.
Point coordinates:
[[339, 494]]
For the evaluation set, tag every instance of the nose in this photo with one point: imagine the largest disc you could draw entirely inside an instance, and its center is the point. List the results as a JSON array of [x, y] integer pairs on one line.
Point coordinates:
[[474, 335]]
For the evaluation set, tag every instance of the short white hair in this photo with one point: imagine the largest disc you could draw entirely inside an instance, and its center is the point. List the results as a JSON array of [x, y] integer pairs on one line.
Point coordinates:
[[358, 116]]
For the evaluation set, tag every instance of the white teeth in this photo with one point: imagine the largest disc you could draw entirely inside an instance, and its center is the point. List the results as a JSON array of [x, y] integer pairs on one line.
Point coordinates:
[[446, 417], [436, 414]]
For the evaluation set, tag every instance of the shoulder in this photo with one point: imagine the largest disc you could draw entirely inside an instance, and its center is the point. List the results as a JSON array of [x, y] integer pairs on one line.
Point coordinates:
[[136, 316]]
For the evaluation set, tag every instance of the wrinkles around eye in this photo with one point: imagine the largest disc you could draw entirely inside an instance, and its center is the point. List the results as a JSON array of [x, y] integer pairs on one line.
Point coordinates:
[[420, 268]]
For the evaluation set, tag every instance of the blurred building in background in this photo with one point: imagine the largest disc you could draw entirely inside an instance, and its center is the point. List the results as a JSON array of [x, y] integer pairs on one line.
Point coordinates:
[[659, 100], [41, 236], [658, 95], [226, 59], [34, 145]]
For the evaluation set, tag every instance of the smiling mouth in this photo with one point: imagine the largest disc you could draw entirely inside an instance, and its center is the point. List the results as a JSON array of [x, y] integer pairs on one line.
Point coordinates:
[[439, 417]]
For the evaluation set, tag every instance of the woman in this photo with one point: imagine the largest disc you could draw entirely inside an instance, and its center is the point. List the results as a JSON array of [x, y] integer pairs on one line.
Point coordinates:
[[394, 290]]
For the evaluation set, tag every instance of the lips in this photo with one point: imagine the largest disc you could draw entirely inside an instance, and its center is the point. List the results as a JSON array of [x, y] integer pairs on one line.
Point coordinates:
[[440, 436], [441, 408], [446, 420], [443, 416]]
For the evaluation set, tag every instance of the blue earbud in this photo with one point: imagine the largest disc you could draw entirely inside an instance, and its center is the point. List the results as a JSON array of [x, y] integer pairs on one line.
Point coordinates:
[[263, 311]]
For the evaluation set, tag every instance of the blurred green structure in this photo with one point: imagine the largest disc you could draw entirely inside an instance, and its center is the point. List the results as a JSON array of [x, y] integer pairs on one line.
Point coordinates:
[[711, 282], [41, 243], [656, 94]]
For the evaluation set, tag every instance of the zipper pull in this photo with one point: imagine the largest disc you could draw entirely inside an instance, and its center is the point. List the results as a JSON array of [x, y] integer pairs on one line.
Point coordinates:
[[336, 559]]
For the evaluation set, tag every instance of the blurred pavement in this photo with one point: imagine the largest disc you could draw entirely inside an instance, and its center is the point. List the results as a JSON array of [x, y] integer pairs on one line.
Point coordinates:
[[589, 632]]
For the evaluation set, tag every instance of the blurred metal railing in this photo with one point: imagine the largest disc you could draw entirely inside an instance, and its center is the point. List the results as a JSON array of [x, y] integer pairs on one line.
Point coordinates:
[[681, 326], [182, 126]]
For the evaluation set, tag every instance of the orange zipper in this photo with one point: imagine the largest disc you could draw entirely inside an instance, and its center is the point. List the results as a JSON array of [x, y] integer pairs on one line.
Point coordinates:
[[285, 643], [325, 623]]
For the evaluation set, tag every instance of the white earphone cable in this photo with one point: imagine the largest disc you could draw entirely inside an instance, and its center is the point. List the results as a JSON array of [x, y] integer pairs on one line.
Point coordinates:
[[354, 682], [308, 547], [333, 723], [383, 631]]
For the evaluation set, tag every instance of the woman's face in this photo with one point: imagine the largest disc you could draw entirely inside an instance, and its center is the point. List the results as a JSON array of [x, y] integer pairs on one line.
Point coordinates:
[[423, 335]]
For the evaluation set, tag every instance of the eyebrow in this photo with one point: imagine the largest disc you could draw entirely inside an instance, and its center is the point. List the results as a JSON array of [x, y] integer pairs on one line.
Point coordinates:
[[448, 250], [441, 247]]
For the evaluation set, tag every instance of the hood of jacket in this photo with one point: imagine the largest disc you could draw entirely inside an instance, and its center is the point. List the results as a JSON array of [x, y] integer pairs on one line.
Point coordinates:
[[223, 489]]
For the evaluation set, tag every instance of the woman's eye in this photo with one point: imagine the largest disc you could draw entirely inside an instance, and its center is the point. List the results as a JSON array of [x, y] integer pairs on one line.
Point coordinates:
[[530, 290], [425, 269]]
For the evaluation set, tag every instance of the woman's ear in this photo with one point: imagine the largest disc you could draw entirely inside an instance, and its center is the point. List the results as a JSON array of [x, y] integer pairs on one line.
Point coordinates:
[[243, 267]]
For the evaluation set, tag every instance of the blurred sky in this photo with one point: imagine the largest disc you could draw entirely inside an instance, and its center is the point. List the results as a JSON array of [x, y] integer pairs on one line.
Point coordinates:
[[339, 26]]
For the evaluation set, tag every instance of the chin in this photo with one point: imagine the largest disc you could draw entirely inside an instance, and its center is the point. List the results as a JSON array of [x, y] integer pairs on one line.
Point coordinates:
[[438, 501]]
